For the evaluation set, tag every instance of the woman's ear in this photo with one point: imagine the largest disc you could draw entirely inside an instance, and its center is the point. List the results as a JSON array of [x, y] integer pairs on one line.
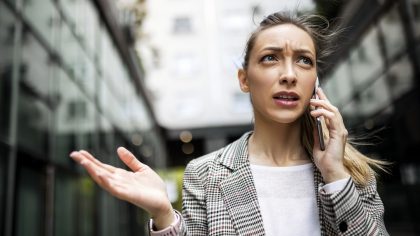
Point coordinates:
[[243, 80]]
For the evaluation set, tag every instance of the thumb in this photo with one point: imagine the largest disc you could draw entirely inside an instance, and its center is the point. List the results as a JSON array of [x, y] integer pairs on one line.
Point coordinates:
[[129, 159]]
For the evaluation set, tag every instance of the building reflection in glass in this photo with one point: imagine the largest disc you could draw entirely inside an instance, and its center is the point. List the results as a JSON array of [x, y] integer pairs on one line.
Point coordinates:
[[65, 85]]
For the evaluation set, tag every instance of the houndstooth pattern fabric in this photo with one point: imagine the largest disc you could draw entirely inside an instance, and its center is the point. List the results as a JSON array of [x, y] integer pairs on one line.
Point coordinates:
[[219, 198]]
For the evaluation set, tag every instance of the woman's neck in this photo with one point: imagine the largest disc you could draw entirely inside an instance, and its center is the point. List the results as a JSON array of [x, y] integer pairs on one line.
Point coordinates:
[[275, 144]]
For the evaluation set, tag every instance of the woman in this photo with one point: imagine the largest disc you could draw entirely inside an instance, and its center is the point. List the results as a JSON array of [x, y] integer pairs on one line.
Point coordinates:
[[275, 180]]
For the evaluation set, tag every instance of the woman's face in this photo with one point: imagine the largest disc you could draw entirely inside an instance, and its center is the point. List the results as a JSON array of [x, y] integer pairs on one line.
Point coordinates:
[[281, 73]]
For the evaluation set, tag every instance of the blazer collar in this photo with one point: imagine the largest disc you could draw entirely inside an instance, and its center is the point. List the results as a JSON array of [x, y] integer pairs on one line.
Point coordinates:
[[235, 155], [238, 189]]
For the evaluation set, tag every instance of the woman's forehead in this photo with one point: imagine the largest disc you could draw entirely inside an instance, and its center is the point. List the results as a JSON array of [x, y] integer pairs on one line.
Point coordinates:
[[282, 35]]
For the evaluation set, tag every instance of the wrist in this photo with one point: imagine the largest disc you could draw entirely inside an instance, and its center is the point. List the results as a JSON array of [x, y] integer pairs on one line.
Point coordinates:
[[172, 230], [332, 176], [165, 218]]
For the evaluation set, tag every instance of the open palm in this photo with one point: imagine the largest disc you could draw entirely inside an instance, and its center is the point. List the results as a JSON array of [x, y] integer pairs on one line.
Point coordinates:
[[141, 186]]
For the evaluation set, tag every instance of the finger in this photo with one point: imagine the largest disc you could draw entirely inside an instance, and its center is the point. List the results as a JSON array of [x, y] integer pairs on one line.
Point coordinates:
[[322, 112], [77, 156], [331, 120], [321, 94], [93, 170], [324, 104], [97, 162], [81, 156], [129, 159]]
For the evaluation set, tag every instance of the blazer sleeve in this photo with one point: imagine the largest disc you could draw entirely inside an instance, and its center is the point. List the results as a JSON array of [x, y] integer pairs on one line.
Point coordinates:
[[354, 211], [194, 213]]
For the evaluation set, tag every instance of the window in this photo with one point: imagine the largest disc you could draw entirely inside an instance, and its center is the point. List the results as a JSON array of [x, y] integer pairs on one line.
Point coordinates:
[[43, 23], [400, 77], [7, 23], [30, 202], [3, 163], [76, 110], [182, 25], [74, 205], [415, 7], [342, 79], [393, 32], [35, 105], [366, 58], [71, 52], [85, 206], [375, 98]]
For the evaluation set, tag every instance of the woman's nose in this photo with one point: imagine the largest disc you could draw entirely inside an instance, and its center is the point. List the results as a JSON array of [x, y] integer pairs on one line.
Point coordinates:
[[288, 75]]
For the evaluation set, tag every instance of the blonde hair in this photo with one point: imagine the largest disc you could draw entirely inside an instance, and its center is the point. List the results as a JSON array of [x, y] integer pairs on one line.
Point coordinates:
[[359, 166]]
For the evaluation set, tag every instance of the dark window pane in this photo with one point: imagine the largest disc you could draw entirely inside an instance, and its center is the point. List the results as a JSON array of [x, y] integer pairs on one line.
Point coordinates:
[[400, 77], [30, 203], [65, 205], [7, 25], [74, 206], [3, 163], [182, 25], [86, 206], [415, 7]]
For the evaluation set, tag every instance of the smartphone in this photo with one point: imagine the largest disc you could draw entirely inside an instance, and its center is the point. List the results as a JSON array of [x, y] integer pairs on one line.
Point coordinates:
[[318, 121]]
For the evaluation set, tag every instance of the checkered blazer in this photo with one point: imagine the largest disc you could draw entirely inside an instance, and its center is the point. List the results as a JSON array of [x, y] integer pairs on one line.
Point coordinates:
[[219, 198]]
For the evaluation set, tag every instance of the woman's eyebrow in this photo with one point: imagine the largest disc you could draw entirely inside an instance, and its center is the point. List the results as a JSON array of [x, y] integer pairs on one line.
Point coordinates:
[[280, 49]]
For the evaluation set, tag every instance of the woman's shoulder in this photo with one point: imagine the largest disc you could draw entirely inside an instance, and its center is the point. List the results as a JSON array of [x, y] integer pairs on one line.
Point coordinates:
[[228, 156], [204, 161]]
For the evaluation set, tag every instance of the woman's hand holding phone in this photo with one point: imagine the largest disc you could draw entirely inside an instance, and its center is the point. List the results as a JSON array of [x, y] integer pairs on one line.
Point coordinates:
[[141, 186], [330, 160]]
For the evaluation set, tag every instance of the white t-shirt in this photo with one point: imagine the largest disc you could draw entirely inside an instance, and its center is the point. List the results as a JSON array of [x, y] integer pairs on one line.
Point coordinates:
[[286, 196]]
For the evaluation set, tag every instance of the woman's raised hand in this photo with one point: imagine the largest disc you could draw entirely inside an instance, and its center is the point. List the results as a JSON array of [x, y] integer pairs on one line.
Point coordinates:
[[141, 186], [330, 162]]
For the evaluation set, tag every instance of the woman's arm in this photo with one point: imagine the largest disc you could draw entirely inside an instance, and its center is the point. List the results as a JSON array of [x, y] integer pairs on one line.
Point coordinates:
[[354, 210], [351, 210]]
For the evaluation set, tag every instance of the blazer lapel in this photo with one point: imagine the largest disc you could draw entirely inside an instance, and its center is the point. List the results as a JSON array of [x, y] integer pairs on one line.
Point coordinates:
[[238, 190]]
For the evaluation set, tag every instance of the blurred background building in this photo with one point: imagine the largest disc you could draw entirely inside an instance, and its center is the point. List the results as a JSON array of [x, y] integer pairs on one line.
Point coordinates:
[[69, 80], [159, 77]]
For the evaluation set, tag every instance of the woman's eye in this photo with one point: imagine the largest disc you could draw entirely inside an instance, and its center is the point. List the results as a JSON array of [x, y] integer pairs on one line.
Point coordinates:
[[268, 58], [305, 60]]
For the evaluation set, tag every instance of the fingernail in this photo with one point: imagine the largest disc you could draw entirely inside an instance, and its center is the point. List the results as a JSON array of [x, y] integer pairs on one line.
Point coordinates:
[[72, 154]]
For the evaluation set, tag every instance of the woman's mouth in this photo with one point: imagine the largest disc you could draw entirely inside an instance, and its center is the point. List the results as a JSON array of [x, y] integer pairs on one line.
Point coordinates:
[[286, 99]]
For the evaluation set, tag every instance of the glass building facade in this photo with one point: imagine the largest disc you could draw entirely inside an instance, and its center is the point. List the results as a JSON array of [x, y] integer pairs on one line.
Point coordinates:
[[66, 83], [374, 81]]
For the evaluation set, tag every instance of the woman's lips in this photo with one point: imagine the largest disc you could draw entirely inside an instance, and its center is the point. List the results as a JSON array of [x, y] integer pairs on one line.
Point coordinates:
[[286, 102], [286, 99]]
